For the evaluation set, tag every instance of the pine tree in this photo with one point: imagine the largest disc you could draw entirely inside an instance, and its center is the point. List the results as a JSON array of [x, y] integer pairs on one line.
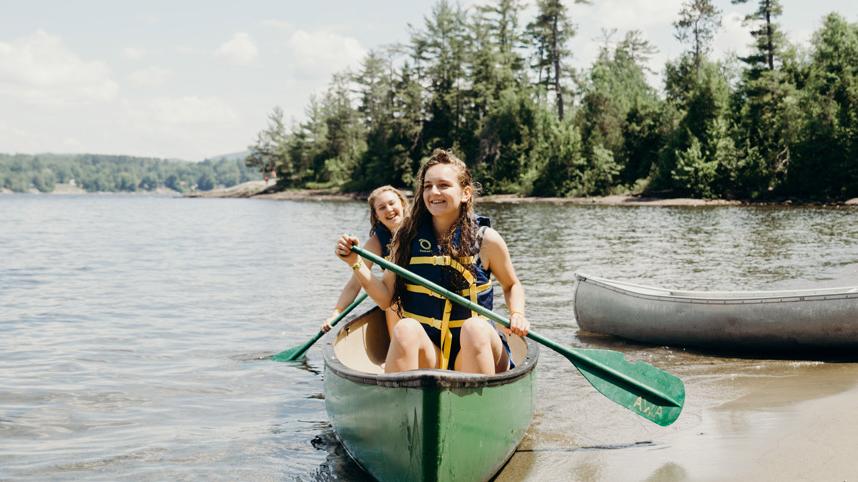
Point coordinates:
[[442, 55], [768, 38], [550, 32], [764, 95], [698, 22], [268, 153]]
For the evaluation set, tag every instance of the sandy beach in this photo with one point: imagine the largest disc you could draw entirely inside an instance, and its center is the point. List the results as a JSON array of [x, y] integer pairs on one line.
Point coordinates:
[[796, 422]]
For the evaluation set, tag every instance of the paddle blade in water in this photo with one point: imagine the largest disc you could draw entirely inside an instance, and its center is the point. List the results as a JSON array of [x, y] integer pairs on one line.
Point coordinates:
[[640, 387], [295, 353]]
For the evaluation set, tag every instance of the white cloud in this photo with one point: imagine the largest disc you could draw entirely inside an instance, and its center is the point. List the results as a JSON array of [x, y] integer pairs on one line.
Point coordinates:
[[72, 144], [627, 15], [133, 53], [733, 36], [319, 54], [186, 50], [150, 77], [276, 23], [39, 68], [239, 50], [148, 18], [14, 139], [653, 18], [189, 110], [801, 36]]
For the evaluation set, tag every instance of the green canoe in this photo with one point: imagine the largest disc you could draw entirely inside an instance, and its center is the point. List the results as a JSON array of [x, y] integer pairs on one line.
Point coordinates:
[[423, 424]]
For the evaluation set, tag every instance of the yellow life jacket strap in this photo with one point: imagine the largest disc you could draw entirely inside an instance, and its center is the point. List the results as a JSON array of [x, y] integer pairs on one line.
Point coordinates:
[[442, 260], [426, 291], [433, 322], [456, 264], [443, 325]]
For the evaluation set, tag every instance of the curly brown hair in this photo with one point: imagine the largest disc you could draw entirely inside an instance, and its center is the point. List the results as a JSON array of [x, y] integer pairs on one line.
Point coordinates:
[[419, 214]]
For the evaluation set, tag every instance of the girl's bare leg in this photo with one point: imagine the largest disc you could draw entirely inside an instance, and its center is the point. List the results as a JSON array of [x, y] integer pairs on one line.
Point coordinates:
[[410, 348], [481, 348]]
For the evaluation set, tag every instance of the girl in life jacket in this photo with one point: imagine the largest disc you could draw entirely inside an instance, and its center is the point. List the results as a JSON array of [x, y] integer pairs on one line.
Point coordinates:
[[442, 241], [387, 208]]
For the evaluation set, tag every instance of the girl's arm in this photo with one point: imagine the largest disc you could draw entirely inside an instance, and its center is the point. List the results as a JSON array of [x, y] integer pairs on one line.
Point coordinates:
[[352, 288], [495, 256], [380, 290]]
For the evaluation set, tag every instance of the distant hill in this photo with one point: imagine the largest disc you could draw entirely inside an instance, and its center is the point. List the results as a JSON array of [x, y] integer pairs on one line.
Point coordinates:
[[117, 173]]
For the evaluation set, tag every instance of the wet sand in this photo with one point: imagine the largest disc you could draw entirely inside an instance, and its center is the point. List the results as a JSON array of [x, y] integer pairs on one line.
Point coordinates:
[[761, 421]]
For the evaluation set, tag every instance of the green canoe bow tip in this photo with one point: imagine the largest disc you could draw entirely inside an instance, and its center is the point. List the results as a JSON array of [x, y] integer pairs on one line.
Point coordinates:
[[297, 352], [640, 387]]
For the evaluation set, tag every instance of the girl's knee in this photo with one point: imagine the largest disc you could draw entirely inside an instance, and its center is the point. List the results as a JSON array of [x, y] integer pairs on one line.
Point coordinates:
[[476, 333], [407, 331]]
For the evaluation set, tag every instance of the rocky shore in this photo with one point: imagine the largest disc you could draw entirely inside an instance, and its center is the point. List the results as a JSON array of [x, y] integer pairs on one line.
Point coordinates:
[[263, 190]]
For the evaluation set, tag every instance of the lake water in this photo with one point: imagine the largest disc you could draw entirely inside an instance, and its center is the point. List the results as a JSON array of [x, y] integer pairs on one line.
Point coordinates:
[[134, 330]]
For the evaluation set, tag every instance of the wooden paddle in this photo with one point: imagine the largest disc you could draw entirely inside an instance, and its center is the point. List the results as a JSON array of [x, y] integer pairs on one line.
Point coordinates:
[[297, 352], [640, 387]]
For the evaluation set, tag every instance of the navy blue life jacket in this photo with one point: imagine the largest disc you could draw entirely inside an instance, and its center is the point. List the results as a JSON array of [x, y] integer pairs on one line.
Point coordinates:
[[384, 236], [463, 275]]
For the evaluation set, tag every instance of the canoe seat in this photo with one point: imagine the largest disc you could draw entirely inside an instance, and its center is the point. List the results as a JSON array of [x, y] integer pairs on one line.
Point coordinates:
[[363, 345]]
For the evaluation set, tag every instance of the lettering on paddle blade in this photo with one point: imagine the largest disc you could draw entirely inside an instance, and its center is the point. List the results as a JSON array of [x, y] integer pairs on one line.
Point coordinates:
[[646, 408]]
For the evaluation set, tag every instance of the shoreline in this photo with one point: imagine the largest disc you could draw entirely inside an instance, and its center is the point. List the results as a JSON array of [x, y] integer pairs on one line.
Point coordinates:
[[259, 190], [263, 190]]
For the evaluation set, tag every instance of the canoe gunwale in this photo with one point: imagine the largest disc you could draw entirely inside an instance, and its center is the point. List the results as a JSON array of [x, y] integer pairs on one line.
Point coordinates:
[[425, 378], [727, 297]]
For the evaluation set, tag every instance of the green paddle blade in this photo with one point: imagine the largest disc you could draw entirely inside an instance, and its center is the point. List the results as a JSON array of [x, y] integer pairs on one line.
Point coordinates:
[[640, 387], [297, 352]]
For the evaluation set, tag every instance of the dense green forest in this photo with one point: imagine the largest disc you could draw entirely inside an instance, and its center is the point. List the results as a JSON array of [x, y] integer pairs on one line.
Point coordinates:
[[103, 173], [779, 123]]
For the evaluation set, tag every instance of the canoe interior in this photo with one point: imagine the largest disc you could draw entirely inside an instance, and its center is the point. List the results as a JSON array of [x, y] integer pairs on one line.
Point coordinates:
[[362, 345]]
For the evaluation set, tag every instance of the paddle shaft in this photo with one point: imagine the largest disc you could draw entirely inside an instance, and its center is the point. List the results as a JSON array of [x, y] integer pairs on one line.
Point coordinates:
[[574, 355], [295, 353], [342, 315]]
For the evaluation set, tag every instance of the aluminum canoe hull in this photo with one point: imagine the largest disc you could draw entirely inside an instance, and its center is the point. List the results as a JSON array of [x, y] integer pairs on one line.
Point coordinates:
[[728, 320]]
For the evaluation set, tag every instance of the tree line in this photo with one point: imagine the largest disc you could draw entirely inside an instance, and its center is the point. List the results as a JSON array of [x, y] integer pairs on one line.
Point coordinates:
[[778, 123], [106, 173]]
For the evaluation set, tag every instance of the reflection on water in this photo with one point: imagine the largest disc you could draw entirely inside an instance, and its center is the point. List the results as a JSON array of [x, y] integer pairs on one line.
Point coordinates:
[[134, 331]]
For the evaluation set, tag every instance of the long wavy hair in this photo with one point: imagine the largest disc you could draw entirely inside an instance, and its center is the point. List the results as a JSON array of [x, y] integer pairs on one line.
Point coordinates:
[[419, 216], [373, 217]]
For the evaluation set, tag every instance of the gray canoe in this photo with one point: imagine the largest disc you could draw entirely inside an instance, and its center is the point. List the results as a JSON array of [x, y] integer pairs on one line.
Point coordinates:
[[814, 319]]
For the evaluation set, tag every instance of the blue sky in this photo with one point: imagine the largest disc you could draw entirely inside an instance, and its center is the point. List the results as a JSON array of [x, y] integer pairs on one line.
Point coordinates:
[[195, 79]]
